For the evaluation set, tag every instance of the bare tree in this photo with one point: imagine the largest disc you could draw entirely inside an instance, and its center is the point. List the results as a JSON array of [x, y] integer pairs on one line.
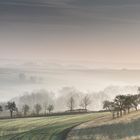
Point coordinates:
[[136, 101], [120, 103], [71, 103], [110, 106], [25, 109], [85, 102], [1, 109], [38, 108], [45, 106], [128, 103], [50, 108], [107, 105], [11, 106]]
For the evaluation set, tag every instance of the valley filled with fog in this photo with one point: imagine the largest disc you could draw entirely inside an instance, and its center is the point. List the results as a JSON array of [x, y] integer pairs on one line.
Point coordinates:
[[54, 82]]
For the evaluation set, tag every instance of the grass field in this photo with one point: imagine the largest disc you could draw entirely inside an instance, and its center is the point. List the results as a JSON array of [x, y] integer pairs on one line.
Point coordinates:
[[43, 128], [105, 128]]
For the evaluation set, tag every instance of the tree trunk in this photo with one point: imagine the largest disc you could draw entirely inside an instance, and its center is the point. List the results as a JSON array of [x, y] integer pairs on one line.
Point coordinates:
[[11, 114]]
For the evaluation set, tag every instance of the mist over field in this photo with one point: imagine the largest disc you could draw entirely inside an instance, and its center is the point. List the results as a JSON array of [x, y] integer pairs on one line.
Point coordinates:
[[55, 82], [88, 45]]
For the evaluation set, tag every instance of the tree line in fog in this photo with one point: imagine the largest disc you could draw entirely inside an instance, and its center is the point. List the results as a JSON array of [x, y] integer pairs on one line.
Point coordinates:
[[71, 100], [122, 104], [45, 109]]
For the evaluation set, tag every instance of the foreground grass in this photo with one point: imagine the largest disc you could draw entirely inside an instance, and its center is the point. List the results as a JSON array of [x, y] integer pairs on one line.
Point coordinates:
[[43, 128], [125, 128]]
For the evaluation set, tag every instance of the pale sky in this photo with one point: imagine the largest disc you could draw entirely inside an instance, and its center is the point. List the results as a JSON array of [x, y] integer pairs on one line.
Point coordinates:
[[47, 41], [104, 31]]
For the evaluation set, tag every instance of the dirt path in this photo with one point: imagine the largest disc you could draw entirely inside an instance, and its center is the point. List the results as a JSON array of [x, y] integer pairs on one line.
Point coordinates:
[[74, 133]]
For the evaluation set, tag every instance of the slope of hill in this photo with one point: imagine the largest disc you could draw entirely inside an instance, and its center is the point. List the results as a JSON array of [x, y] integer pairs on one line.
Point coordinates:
[[106, 128], [42, 128]]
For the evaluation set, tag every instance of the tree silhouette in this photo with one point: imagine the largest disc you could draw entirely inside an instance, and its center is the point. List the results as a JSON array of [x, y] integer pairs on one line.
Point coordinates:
[[85, 102], [71, 103], [50, 108], [25, 109], [11, 106], [109, 106], [1, 109], [128, 102], [136, 101], [123, 103], [45, 105], [119, 103], [38, 108]]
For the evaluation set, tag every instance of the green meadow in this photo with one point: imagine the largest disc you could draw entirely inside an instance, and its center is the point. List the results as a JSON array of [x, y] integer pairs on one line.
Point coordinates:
[[42, 128], [94, 126]]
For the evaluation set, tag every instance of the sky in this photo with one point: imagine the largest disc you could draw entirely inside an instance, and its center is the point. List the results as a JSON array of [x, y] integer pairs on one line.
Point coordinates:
[[41, 41], [104, 31]]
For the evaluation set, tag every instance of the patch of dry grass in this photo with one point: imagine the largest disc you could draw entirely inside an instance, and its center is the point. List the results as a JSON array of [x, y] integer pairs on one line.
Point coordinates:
[[106, 128]]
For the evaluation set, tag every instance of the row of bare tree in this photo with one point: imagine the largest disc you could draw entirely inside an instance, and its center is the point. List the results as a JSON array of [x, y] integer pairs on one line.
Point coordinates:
[[122, 104], [85, 101]]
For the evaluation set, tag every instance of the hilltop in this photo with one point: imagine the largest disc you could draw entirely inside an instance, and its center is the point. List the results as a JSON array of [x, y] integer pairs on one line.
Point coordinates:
[[106, 128]]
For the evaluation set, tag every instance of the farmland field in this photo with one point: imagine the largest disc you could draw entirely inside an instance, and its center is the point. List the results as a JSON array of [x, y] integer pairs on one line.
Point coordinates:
[[42, 128]]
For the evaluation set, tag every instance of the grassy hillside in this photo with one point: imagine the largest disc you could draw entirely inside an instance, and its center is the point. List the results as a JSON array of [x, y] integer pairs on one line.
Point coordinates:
[[105, 128], [43, 128]]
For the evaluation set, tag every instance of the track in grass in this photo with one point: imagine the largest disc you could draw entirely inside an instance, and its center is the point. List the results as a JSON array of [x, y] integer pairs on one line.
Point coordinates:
[[106, 128], [44, 128]]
